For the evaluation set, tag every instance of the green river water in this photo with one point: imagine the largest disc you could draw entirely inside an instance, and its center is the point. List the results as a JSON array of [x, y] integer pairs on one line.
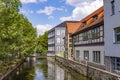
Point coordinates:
[[43, 69]]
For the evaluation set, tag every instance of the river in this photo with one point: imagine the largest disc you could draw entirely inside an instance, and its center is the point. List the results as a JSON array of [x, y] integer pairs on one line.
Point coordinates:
[[43, 69]]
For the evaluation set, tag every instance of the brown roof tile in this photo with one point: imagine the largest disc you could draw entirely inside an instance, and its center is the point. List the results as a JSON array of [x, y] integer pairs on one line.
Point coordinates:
[[72, 27], [90, 21]]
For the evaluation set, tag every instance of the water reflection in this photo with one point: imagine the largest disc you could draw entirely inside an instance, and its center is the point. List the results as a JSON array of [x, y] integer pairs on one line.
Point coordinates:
[[43, 69]]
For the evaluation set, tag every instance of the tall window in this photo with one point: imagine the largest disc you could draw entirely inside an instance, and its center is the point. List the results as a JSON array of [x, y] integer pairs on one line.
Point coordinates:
[[77, 54], [117, 35], [85, 36], [58, 32], [116, 63], [96, 56], [113, 7], [96, 33], [86, 55], [58, 40], [62, 32]]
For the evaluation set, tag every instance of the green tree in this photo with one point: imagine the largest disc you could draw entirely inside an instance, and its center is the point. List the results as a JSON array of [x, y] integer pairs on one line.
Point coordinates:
[[42, 44], [17, 35]]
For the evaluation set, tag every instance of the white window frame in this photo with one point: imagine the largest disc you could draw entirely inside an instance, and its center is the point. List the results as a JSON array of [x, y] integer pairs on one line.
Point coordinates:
[[97, 56]]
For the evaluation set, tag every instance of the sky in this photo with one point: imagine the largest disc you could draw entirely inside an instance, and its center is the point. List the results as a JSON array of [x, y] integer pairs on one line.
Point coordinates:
[[45, 14]]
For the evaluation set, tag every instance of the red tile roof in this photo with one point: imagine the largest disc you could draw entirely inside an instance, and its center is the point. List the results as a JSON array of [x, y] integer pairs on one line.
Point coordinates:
[[72, 27], [90, 21]]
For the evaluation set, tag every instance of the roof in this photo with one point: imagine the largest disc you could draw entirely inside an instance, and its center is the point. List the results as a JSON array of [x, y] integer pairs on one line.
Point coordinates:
[[72, 27], [90, 22], [63, 24]]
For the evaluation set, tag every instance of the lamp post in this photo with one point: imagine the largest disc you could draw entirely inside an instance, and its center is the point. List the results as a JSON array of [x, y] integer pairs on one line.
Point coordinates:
[[86, 58]]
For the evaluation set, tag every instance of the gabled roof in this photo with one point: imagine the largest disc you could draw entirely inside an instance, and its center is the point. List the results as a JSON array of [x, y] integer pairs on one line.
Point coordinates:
[[90, 21], [72, 27], [63, 24]]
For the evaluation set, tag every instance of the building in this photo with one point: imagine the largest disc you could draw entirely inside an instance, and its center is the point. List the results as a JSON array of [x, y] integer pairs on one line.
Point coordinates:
[[112, 34], [51, 42], [88, 40], [70, 29], [56, 41]]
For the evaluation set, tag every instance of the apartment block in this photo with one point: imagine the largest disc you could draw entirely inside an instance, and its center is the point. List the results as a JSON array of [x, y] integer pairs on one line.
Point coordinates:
[[56, 41]]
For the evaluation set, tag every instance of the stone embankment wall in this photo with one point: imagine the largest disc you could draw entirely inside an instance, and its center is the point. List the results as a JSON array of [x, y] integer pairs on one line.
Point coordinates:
[[89, 71]]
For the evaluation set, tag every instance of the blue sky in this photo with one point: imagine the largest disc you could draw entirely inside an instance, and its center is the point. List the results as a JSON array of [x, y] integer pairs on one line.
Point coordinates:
[[45, 14]]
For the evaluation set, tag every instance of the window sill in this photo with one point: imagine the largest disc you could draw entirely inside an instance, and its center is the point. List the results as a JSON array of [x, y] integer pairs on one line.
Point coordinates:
[[112, 14]]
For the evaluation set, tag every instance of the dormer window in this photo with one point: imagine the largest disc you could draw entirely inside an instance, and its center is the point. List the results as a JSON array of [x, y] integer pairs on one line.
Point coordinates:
[[95, 17], [84, 23]]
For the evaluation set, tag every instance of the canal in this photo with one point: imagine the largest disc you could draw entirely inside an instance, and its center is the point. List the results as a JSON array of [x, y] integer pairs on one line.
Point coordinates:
[[43, 69]]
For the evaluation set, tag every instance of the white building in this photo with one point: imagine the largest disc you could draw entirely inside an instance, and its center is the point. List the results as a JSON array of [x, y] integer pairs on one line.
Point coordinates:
[[112, 34]]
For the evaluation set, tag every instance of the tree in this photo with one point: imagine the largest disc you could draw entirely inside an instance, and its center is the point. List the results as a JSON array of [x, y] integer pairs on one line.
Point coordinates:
[[17, 35], [42, 43]]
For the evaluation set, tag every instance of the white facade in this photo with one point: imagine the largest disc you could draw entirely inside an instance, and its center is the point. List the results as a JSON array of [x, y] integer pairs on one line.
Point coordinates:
[[112, 34], [111, 21], [90, 49]]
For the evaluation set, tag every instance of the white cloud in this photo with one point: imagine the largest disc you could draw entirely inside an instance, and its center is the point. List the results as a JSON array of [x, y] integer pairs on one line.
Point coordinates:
[[82, 8], [26, 12], [32, 1], [51, 17], [48, 10], [77, 2], [42, 28]]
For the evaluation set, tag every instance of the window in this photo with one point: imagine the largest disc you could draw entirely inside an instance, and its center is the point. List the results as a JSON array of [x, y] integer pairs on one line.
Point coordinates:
[[62, 48], [62, 32], [58, 48], [96, 33], [95, 17], [84, 23], [58, 32], [85, 36], [77, 54], [116, 63], [113, 7], [117, 35], [58, 40], [96, 56], [86, 55]]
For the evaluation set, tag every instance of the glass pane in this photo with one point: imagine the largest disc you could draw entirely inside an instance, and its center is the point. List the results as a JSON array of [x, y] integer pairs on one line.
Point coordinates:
[[118, 60], [118, 37], [118, 29], [118, 66]]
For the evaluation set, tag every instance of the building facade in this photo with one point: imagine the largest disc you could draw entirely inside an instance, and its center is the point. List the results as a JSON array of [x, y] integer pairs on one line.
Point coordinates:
[[88, 41], [70, 29], [56, 41], [51, 42], [112, 34]]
